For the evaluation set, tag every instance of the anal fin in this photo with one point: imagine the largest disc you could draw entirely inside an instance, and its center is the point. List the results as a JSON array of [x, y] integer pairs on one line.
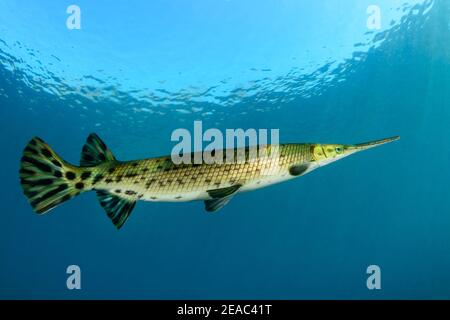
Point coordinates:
[[220, 197], [117, 208]]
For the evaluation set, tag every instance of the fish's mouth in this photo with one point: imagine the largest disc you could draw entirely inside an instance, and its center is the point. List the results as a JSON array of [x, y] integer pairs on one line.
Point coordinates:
[[371, 144]]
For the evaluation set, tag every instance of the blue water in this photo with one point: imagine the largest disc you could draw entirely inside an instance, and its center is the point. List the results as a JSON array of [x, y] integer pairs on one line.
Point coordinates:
[[137, 70]]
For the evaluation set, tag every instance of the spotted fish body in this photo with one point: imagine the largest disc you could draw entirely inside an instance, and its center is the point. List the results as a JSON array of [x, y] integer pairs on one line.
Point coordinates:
[[47, 180], [159, 179]]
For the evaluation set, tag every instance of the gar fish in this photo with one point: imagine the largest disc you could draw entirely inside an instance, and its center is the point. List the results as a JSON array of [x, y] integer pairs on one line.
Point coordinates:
[[47, 180]]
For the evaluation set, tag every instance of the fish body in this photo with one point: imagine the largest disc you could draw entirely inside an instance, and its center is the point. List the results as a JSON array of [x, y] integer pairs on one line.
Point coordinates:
[[47, 180], [159, 179]]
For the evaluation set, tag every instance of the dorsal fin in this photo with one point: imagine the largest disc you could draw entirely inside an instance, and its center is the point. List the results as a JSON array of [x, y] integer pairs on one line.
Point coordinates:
[[117, 208], [95, 152]]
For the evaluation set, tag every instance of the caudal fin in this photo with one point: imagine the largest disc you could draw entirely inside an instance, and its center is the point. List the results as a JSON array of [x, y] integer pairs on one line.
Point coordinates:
[[46, 179]]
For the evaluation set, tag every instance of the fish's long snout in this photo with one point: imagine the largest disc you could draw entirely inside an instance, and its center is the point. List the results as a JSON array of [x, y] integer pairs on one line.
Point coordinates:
[[371, 144]]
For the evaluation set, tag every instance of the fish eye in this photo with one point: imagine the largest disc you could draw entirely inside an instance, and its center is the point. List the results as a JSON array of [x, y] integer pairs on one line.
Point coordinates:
[[339, 149]]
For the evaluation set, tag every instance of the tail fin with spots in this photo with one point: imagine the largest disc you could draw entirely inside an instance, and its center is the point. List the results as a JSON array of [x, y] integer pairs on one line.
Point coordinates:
[[46, 179]]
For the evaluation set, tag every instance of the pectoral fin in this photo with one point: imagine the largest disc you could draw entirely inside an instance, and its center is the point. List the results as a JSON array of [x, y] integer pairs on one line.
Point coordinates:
[[298, 170], [220, 197]]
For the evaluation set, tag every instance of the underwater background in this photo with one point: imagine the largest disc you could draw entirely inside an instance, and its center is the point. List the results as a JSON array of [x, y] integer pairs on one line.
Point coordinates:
[[137, 70]]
